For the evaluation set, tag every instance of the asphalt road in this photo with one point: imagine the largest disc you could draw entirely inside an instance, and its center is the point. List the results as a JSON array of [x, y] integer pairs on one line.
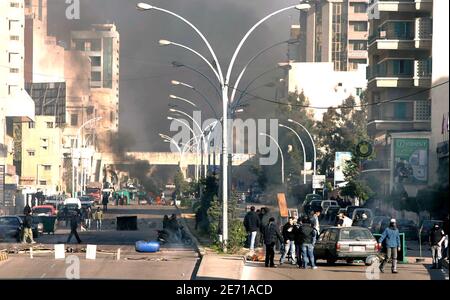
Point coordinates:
[[174, 261]]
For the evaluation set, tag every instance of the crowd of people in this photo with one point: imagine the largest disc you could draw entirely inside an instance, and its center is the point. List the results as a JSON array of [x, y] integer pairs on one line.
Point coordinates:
[[298, 238]]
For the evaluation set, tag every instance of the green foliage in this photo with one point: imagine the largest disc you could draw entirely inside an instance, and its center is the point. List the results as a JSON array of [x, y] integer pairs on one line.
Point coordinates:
[[237, 236], [214, 217], [180, 184], [355, 186]]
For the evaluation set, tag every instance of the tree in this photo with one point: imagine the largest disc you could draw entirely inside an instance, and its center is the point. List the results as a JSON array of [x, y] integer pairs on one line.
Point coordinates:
[[180, 184], [355, 188]]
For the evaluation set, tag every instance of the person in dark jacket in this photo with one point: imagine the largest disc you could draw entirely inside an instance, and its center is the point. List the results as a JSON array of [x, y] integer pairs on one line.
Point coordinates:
[[27, 210], [391, 236], [298, 242], [307, 238], [252, 225], [271, 236], [289, 233], [437, 237], [27, 229], [263, 220], [105, 202], [74, 221]]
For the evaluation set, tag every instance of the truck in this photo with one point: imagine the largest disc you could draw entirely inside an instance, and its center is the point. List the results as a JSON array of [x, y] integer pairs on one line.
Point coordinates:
[[94, 190]]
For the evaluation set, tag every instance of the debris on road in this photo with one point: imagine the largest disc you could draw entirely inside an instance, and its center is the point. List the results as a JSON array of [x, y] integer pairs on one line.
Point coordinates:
[[3, 255], [146, 258]]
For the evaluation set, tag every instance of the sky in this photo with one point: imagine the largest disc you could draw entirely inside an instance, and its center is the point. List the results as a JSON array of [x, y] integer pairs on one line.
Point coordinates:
[[145, 67]]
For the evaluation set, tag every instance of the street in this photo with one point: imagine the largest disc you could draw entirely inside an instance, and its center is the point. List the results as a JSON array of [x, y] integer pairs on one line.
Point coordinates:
[[172, 262]]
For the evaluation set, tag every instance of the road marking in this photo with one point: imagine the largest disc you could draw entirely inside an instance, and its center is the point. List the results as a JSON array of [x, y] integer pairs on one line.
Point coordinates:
[[43, 275]]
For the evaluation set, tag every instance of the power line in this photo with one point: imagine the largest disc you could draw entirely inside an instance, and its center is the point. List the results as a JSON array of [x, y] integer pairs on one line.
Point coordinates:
[[339, 107]]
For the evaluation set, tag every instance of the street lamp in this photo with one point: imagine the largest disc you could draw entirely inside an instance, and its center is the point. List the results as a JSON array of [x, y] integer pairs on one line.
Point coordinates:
[[303, 148], [224, 83], [179, 83], [313, 144], [281, 152], [182, 99]]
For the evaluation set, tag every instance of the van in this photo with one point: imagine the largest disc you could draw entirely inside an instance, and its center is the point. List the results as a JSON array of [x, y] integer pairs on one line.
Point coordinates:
[[76, 201]]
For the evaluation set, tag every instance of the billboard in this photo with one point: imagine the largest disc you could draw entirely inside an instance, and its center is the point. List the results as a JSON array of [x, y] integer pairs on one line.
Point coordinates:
[[339, 165], [411, 160]]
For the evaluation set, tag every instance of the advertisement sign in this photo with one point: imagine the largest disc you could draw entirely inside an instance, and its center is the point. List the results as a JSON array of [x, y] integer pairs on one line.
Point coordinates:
[[319, 181], [411, 160], [339, 165]]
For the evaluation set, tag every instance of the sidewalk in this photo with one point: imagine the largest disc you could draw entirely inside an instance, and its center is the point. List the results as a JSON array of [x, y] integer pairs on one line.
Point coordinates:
[[212, 266]]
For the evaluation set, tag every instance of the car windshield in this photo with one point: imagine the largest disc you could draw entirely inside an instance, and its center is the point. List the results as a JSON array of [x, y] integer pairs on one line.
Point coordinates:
[[355, 234], [42, 210], [8, 221]]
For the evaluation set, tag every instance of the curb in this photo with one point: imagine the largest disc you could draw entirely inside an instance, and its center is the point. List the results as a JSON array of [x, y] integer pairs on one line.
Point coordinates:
[[200, 250]]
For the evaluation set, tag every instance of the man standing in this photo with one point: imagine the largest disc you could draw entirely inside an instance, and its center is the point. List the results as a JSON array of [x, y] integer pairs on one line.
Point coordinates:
[[307, 237], [27, 229], [271, 236], [437, 237], [315, 224], [74, 221], [391, 236], [252, 225], [289, 233], [105, 202], [98, 217]]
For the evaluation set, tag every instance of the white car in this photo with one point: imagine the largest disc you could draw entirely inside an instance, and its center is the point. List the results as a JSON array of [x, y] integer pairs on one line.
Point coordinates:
[[73, 201]]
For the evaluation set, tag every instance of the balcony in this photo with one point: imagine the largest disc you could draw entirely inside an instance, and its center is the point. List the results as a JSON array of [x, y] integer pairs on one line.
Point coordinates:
[[400, 116], [397, 73], [378, 6], [402, 35], [357, 54]]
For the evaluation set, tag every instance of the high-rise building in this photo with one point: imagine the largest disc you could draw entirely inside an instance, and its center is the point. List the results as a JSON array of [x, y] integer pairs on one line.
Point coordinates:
[[15, 104], [333, 31], [102, 45], [399, 82]]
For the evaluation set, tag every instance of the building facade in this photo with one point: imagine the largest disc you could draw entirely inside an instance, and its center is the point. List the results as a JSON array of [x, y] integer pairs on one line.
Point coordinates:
[[399, 82], [16, 106], [333, 31]]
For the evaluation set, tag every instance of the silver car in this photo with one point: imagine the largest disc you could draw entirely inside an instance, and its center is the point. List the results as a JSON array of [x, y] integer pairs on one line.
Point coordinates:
[[345, 243]]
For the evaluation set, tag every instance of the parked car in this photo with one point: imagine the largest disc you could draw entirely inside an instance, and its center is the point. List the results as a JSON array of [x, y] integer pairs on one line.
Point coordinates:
[[330, 216], [86, 201], [426, 227], [409, 228], [345, 243], [44, 210], [37, 227], [349, 211], [313, 205], [54, 200], [326, 203], [11, 227], [74, 201], [377, 222], [311, 197], [65, 211]]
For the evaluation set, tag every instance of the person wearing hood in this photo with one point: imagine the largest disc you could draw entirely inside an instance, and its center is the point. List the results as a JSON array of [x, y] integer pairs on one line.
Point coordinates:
[[271, 236], [391, 236], [437, 237], [252, 225]]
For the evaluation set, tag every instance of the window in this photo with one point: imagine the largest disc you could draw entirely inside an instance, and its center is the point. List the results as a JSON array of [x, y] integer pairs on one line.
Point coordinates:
[[73, 120], [96, 76], [14, 70], [359, 45], [14, 37], [359, 7], [359, 26], [31, 125], [14, 58], [42, 182], [79, 45], [47, 167], [402, 67], [14, 25], [403, 30], [96, 45], [12, 89], [50, 124], [31, 153], [96, 61], [14, 4], [359, 92]]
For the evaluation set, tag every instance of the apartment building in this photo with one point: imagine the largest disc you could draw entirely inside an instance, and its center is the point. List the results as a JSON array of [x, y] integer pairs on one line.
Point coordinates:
[[15, 104], [399, 82], [41, 156], [333, 31], [102, 45]]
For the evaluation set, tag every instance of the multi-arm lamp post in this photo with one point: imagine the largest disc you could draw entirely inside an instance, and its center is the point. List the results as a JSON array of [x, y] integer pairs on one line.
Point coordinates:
[[225, 86]]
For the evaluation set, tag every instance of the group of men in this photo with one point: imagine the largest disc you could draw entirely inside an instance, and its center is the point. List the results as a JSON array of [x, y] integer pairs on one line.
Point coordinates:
[[298, 238]]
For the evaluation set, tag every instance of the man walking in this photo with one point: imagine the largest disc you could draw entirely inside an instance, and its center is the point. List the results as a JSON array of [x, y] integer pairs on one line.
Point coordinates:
[[74, 221], [289, 233], [252, 225], [271, 236], [437, 237], [27, 229], [307, 237], [391, 236]]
